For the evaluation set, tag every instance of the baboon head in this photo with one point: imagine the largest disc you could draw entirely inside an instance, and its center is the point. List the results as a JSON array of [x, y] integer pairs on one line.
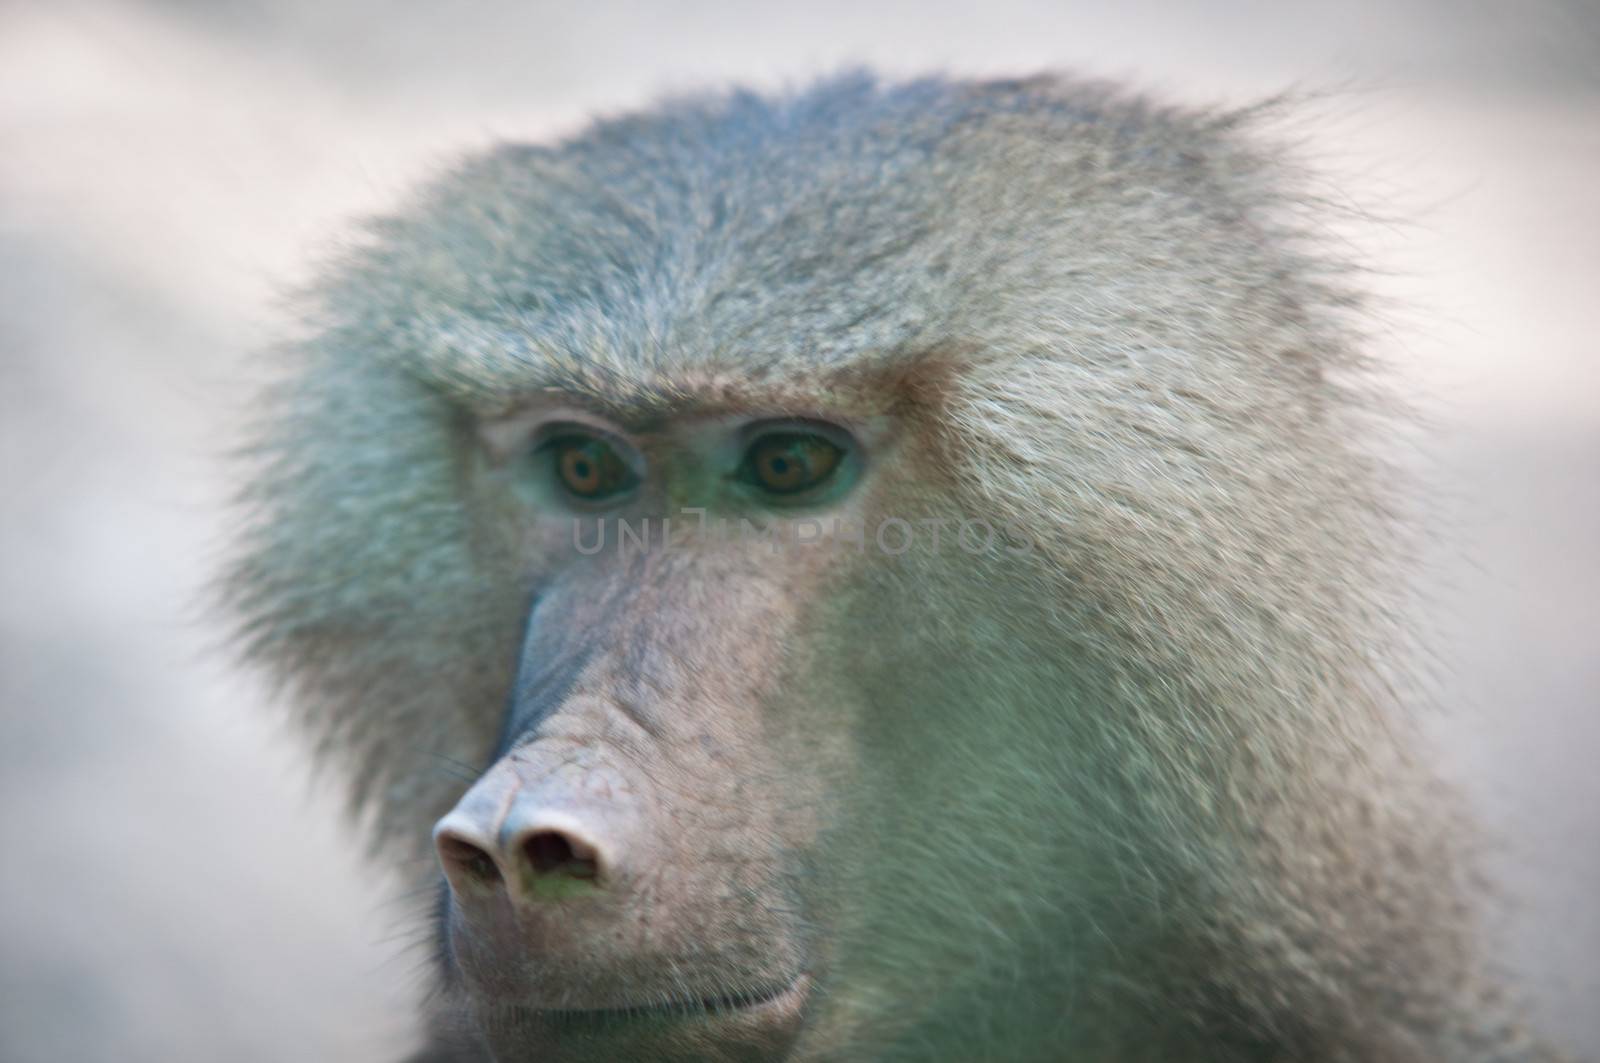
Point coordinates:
[[869, 573]]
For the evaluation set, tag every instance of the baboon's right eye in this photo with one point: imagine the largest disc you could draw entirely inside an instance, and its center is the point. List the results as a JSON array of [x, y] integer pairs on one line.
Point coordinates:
[[589, 468]]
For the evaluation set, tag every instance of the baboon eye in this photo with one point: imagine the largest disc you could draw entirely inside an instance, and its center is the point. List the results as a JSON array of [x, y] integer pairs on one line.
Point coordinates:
[[788, 463], [589, 467]]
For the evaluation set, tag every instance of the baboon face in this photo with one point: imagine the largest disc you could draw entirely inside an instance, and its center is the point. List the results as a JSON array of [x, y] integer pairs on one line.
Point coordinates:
[[712, 716]]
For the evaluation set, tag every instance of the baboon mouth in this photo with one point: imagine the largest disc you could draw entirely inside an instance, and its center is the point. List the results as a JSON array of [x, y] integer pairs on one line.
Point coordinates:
[[778, 996]]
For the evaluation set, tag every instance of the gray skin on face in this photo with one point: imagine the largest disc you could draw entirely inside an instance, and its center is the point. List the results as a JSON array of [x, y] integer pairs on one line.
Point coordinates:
[[1131, 779]]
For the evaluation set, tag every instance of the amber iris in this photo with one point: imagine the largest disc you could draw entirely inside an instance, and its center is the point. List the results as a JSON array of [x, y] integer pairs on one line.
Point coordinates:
[[787, 463], [590, 467]]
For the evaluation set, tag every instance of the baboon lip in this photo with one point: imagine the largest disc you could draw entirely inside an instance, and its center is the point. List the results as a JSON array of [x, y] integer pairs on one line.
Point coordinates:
[[775, 996]]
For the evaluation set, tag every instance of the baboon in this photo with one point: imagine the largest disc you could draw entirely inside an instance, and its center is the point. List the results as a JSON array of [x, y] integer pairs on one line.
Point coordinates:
[[912, 572]]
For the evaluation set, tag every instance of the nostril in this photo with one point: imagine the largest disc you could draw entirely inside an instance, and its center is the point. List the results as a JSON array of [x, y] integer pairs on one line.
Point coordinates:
[[468, 860], [550, 852]]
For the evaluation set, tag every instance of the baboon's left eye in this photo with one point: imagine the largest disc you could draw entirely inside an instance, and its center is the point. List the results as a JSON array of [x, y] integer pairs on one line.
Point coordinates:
[[787, 463]]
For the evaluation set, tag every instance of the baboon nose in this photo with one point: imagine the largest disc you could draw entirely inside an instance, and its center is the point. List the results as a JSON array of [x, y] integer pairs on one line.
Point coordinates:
[[546, 851], [531, 853]]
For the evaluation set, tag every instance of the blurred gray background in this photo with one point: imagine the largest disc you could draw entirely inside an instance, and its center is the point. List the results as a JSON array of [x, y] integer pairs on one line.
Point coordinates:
[[175, 887]]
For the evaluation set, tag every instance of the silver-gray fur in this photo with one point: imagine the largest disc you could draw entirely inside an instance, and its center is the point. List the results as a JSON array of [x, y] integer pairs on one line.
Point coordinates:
[[1142, 356]]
